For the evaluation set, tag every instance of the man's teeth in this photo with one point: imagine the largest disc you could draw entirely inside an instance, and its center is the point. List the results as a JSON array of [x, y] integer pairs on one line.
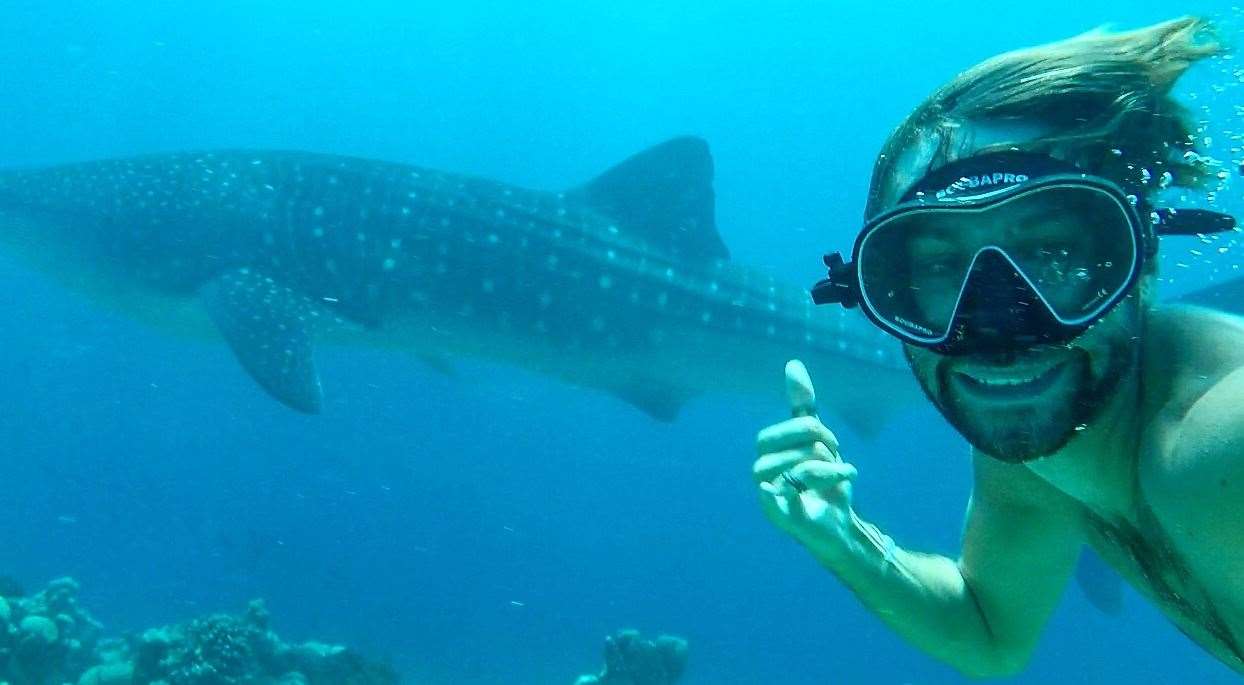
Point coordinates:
[[1000, 377], [1005, 381]]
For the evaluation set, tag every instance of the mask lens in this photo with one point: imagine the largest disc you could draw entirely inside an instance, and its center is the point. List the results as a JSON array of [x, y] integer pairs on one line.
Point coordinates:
[[912, 269], [1073, 243]]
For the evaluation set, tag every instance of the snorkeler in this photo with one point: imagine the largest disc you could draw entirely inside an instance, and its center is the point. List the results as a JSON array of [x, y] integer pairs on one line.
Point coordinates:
[[1014, 219]]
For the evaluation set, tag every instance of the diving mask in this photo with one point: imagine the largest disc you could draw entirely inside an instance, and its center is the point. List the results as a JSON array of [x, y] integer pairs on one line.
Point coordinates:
[[1002, 252]]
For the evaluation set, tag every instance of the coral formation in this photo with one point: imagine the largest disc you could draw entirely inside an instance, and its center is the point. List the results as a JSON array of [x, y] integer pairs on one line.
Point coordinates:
[[48, 639], [241, 650], [45, 638], [632, 660]]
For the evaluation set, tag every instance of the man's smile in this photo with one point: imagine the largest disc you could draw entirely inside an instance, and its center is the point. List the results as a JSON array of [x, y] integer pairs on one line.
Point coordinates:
[[1022, 381]]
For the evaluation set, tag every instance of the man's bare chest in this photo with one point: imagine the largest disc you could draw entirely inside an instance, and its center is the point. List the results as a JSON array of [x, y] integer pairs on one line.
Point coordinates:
[[1187, 582]]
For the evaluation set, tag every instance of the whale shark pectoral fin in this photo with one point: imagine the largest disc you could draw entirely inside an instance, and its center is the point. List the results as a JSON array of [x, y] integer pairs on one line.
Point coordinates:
[[652, 400], [268, 326], [664, 197]]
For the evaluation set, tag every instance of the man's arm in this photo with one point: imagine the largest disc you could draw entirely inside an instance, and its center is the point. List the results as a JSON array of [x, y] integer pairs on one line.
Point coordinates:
[[982, 614]]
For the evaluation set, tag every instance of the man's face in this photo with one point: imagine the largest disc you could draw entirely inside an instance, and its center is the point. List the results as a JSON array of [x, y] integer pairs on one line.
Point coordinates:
[[1024, 405]]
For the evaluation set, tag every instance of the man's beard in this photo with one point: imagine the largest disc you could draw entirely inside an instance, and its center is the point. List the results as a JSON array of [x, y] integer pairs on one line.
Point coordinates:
[[1017, 432]]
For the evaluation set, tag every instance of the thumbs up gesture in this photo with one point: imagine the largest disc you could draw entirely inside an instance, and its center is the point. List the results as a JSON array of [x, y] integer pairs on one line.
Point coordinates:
[[804, 485]]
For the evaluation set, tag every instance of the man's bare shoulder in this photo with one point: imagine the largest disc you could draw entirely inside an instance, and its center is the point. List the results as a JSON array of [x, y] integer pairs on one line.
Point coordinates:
[[1187, 352], [1194, 339], [1201, 458]]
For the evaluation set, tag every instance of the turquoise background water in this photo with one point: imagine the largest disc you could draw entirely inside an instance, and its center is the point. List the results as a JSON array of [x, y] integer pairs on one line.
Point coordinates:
[[492, 527]]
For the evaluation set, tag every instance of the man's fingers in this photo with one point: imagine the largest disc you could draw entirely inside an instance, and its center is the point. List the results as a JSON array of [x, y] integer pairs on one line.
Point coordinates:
[[773, 503], [794, 505], [794, 434], [799, 463], [819, 477], [799, 391], [776, 501], [823, 476], [773, 464]]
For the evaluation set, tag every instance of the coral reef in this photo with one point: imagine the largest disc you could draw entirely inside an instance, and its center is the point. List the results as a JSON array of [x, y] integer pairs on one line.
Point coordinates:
[[45, 638], [241, 650], [48, 639], [633, 660]]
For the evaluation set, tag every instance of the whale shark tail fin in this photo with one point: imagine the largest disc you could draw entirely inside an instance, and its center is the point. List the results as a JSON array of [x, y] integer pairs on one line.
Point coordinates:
[[662, 196]]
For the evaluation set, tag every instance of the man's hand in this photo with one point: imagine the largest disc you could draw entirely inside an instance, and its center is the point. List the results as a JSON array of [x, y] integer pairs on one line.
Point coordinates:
[[804, 486]]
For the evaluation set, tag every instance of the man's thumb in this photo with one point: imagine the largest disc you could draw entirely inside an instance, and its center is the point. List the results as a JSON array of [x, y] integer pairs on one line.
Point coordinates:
[[799, 391]]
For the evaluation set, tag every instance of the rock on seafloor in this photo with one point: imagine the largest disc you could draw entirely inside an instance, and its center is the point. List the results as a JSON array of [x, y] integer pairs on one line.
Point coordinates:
[[633, 660]]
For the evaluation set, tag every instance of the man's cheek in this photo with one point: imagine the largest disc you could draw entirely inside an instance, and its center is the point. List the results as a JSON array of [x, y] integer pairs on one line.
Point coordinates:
[[924, 366], [1111, 337]]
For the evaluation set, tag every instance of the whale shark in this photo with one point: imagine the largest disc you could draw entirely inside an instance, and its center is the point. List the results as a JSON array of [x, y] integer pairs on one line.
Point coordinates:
[[622, 284]]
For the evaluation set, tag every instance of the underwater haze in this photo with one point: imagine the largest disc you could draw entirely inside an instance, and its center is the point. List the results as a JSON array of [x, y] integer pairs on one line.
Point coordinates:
[[485, 524]]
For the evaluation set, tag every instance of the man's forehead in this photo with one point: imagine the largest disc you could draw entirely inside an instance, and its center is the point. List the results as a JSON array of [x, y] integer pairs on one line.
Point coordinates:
[[931, 146]]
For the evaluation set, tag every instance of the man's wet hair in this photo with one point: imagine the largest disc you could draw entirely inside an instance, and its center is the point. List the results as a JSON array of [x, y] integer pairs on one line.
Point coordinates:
[[1101, 100]]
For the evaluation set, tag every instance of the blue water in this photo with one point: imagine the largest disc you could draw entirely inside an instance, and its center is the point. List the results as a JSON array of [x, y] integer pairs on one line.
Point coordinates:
[[492, 526]]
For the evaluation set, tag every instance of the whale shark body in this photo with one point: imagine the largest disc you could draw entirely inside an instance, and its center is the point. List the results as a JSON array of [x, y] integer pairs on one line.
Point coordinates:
[[622, 284]]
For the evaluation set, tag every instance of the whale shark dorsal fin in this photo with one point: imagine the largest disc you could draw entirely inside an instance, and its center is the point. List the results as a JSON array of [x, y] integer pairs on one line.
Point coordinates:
[[663, 196], [268, 326]]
